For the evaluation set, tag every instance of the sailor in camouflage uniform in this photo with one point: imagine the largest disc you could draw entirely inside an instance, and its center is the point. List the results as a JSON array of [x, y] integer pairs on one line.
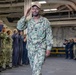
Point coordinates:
[[1, 52], [9, 50], [3, 48], [74, 49], [39, 38], [1, 27]]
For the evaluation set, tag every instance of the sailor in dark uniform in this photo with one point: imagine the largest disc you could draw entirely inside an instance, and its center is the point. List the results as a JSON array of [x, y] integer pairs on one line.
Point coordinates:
[[66, 48]]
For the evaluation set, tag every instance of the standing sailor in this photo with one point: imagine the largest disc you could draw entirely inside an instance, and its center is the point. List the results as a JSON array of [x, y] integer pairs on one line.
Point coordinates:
[[39, 37], [3, 37], [9, 49], [15, 46], [20, 40], [25, 59]]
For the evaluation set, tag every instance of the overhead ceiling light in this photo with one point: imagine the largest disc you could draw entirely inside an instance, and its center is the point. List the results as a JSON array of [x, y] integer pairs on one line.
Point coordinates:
[[53, 9], [50, 9], [42, 2], [46, 9]]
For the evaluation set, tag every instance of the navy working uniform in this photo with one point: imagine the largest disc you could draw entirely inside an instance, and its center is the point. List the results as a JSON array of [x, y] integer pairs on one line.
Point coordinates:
[[15, 45], [39, 39], [74, 51], [25, 59], [71, 49], [66, 49], [20, 39]]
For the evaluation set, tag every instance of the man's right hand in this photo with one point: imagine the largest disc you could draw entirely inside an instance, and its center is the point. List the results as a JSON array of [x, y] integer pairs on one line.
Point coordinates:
[[28, 12]]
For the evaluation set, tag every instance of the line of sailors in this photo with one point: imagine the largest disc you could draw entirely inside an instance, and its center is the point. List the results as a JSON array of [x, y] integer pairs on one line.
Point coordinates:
[[70, 48], [13, 52]]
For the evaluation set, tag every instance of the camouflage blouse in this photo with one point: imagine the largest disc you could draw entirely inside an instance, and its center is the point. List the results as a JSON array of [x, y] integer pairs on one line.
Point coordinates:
[[39, 34]]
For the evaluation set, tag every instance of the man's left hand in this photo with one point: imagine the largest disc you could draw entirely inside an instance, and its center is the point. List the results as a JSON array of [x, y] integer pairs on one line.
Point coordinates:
[[48, 53]]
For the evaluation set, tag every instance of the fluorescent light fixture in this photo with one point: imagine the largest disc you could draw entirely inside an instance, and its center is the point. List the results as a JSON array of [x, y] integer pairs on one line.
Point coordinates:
[[42, 2], [50, 9], [46, 9], [53, 9]]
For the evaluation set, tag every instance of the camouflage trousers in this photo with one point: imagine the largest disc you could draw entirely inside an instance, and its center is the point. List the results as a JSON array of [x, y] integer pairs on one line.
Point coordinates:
[[74, 52], [7, 58], [1, 57], [36, 59]]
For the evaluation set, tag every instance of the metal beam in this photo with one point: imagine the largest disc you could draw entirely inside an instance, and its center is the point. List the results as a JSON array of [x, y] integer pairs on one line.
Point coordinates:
[[63, 23], [66, 2], [12, 5], [11, 10]]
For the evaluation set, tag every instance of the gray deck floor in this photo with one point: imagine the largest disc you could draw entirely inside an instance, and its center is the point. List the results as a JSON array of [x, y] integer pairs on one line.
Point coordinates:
[[52, 66]]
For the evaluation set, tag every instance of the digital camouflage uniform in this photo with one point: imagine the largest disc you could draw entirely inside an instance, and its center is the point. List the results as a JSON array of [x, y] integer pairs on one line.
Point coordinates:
[[9, 51], [1, 52], [2, 49], [39, 39], [74, 50]]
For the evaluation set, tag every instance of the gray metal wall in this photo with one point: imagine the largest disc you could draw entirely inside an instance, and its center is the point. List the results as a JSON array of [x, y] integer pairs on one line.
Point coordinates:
[[61, 33]]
